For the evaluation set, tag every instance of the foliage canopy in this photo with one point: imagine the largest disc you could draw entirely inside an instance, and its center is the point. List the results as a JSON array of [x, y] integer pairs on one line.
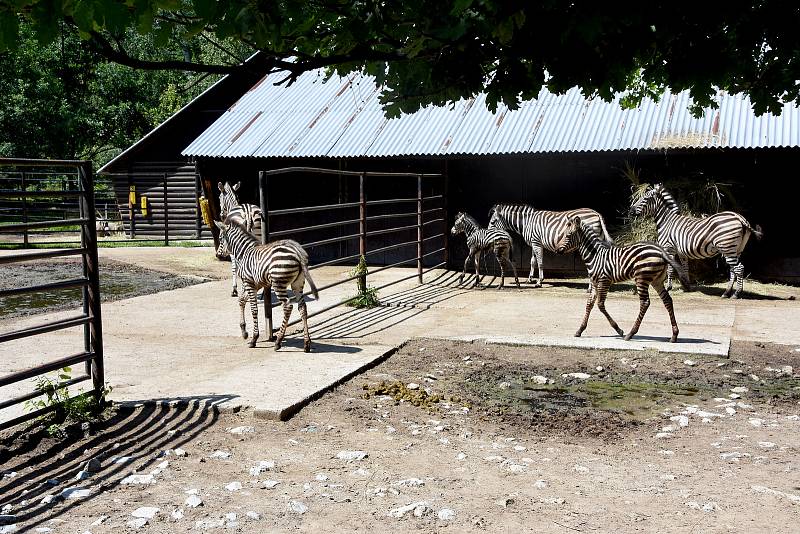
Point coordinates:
[[437, 52]]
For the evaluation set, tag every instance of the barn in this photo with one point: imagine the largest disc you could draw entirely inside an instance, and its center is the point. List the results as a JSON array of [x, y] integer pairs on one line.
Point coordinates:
[[555, 152]]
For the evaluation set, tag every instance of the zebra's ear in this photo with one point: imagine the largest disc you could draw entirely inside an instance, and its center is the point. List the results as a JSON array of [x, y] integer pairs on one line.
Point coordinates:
[[237, 186], [576, 221], [221, 187]]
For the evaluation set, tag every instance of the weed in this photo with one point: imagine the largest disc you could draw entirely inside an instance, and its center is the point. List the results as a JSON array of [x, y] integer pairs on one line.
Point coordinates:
[[367, 297]]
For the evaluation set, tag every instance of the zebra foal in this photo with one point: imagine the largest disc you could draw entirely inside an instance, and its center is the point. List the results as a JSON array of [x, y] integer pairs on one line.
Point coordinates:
[[542, 229], [645, 263], [245, 214], [480, 240], [686, 237], [279, 265]]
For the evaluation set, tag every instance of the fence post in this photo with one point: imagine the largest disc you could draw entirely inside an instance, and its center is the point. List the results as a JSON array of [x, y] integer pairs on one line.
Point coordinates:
[[132, 207], [362, 230], [198, 218], [166, 213], [263, 201], [93, 332], [25, 211], [445, 232], [419, 228]]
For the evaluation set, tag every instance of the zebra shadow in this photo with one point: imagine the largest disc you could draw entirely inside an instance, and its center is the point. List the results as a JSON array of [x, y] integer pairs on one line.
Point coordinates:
[[665, 339], [713, 291]]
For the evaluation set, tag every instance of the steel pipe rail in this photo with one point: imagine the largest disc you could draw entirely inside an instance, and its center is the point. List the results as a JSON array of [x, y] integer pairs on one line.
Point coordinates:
[[45, 327], [34, 394], [290, 211], [281, 233], [28, 256], [45, 368], [43, 224], [53, 286]]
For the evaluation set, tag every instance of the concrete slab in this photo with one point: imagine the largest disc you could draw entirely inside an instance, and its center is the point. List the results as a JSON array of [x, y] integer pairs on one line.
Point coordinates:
[[185, 344]]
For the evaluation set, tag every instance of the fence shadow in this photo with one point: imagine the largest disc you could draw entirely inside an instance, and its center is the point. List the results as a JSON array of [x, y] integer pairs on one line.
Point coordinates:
[[46, 466]]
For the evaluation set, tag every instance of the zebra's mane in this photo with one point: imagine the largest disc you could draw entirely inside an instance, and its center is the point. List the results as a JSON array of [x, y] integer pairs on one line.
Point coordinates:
[[669, 200], [471, 220], [590, 235], [235, 221]]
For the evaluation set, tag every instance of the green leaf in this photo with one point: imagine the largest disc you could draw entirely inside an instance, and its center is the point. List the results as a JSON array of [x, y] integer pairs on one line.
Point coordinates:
[[206, 9], [459, 6], [9, 30]]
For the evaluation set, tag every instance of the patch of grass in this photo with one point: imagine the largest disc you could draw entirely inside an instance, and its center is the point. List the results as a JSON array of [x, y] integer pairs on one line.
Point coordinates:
[[367, 297]]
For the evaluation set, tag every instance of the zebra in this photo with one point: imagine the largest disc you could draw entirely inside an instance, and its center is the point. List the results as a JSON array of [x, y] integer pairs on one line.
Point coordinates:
[[645, 263], [542, 229], [484, 239], [280, 265], [246, 214], [686, 237]]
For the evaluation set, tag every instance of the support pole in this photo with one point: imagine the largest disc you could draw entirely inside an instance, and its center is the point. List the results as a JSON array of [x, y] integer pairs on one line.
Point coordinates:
[[445, 223], [362, 229], [166, 213], [94, 338], [263, 202], [419, 228], [25, 211]]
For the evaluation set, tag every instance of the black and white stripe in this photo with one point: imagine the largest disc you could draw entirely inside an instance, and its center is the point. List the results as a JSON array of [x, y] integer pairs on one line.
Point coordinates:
[[245, 214], [541, 229], [480, 240], [685, 237], [645, 263], [279, 265]]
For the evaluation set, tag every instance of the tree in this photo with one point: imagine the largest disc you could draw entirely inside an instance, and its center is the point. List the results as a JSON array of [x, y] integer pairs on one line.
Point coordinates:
[[426, 52]]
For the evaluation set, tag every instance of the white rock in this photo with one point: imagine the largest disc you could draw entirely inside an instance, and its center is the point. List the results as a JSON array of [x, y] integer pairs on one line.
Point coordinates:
[[421, 510], [263, 465], [321, 477], [668, 477], [139, 479], [177, 514], [230, 517], [137, 523], [409, 483], [793, 417], [787, 369], [690, 363], [552, 500], [403, 510], [361, 472], [734, 396], [48, 499], [193, 501], [670, 428], [707, 507], [351, 455], [193, 491], [599, 369], [254, 516], [461, 456], [730, 411], [770, 491], [539, 379], [707, 415], [766, 444], [756, 422], [739, 389], [296, 507], [734, 456], [180, 453], [519, 448], [9, 474], [504, 385], [682, 420], [269, 484], [446, 514], [242, 430], [540, 484], [493, 458], [663, 435], [8, 529], [412, 385], [516, 468], [208, 524], [147, 512], [580, 468], [233, 486], [755, 378], [121, 459], [220, 455], [42, 530], [579, 376], [75, 492]]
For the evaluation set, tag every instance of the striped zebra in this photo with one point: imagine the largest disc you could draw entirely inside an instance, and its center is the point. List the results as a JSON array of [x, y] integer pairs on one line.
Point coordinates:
[[686, 237], [480, 240], [279, 265], [245, 214], [645, 263], [542, 229]]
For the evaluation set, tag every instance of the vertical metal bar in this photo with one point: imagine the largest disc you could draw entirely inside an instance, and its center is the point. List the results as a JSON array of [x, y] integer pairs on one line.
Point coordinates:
[[24, 211], [419, 228], [92, 295], [166, 213], [263, 201], [445, 231], [362, 229], [262, 195], [132, 206]]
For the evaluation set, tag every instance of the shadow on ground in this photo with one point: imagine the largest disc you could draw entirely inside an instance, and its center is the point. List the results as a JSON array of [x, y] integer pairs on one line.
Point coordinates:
[[47, 466]]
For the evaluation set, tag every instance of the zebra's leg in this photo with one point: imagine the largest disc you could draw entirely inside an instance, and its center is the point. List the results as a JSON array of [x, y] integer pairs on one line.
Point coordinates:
[[477, 259], [234, 291], [643, 289], [602, 291], [533, 264], [282, 293], [539, 252], [733, 263], [251, 291], [514, 270], [658, 285], [739, 271], [684, 261], [466, 262], [297, 289], [500, 260], [268, 313], [242, 303], [589, 306]]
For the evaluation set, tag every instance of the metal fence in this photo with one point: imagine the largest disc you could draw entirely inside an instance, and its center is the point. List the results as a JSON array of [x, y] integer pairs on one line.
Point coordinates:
[[82, 215], [342, 218]]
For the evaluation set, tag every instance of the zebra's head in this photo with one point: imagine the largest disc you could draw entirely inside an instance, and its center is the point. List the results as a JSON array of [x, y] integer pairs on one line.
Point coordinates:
[[458, 226], [227, 197], [647, 204], [496, 220], [570, 237], [222, 249]]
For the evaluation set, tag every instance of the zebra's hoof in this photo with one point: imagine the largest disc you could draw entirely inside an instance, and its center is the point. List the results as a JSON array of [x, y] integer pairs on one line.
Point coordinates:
[[578, 334], [627, 337], [499, 288], [277, 346], [234, 293], [307, 346], [735, 296], [673, 339], [252, 343], [621, 332], [244, 334]]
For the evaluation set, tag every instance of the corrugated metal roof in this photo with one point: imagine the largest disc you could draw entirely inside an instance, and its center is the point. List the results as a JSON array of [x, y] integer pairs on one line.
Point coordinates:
[[341, 116]]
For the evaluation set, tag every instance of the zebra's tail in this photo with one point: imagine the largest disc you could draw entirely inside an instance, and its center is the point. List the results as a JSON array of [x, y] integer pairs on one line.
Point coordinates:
[[606, 235], [757, 231], [310, 280], [678, 268]]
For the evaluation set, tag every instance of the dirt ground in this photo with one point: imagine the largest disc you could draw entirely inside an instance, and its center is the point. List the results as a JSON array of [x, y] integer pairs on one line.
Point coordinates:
[[449, 437]]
